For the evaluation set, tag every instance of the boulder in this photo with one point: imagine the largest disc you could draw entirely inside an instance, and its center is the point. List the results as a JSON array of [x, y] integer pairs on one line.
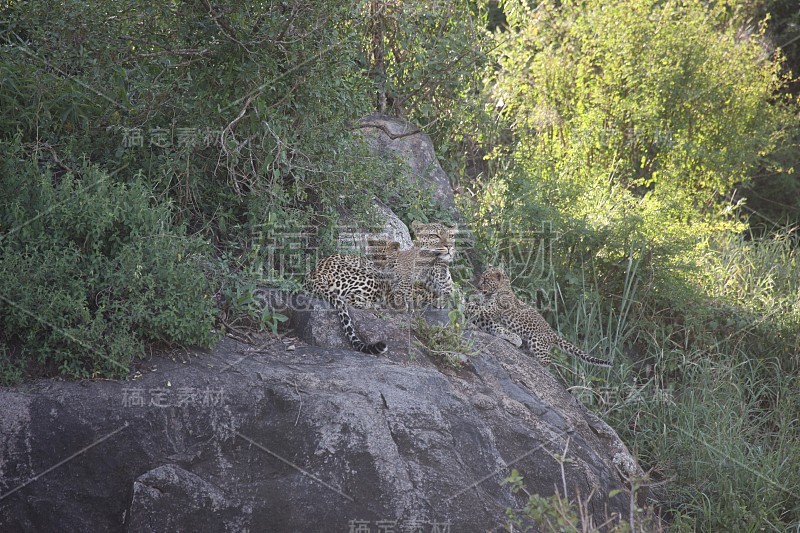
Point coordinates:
[[174, 499], [353, 238], [270, 437], [316, 322], [399, 138], [396, 138]]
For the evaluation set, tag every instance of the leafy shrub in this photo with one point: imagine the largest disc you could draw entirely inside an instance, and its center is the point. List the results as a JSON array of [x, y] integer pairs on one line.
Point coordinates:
[[631, 124], [236, 113], [444, 344], [93, 271]]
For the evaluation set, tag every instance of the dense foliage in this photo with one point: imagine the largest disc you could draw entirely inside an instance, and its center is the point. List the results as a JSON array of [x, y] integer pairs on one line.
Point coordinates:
[[232, 122], [631, 121], [92, 270], [626, 129], [632, 163]]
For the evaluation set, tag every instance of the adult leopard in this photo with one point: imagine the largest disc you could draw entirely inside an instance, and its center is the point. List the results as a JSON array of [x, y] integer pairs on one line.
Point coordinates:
[[393, 275]]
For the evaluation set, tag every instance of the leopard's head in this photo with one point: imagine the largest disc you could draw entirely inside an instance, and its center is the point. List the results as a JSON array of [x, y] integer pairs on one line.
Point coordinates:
[[435, 239], [493, 280]]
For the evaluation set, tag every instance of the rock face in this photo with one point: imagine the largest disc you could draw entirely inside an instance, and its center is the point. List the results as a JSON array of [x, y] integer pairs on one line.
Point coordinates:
[[265, 438], [399, 138], [394, 137], [316, 323], [393, 229]]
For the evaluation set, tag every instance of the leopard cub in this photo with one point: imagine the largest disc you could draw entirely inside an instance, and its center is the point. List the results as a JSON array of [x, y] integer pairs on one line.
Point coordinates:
[[421, 274], [502, 314]]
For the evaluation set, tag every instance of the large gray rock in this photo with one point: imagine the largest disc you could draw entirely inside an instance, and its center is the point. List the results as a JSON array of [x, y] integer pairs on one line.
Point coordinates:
[[399, 138], [317, 323], [174, 499], [353, 238], [270, 438]]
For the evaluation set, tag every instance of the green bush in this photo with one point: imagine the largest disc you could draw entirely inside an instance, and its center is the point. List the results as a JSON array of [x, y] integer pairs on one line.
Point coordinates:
[[92, 272], [631, 124], [236, 113], [628, 127]]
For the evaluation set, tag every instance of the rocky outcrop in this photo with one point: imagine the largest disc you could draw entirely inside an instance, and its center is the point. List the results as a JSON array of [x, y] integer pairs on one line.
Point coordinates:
[[283, 436], [392, 228], [315, 322], [396, 137]]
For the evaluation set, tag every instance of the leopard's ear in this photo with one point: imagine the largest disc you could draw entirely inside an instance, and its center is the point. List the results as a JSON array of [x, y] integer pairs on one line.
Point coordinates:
[[415, 225], [393, 246]]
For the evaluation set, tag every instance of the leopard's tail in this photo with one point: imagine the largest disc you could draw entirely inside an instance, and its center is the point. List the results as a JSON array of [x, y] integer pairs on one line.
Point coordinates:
[[577, 352], [378, 348]]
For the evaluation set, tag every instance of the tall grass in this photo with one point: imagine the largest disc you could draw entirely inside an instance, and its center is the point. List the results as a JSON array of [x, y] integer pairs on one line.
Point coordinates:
[[707, 394]]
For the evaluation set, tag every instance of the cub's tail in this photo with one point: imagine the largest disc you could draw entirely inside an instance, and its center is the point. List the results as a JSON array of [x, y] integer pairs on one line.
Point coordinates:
[[577, 352]]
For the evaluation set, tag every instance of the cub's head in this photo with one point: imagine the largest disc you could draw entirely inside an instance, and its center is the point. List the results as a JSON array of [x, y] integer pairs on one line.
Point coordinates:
[[435, 239], [381, 251], [493, 280], [381, 247]]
